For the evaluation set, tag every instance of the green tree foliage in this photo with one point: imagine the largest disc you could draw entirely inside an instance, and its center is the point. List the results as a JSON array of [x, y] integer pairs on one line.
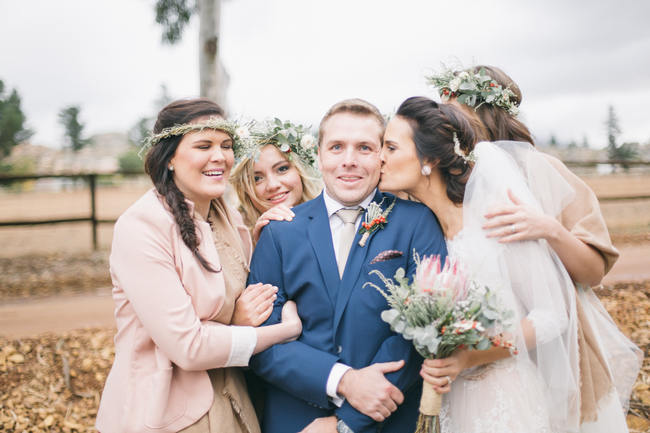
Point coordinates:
[[130, 162], [613, 131], [69, 118], [624, 152], [12, 121], [139, 131], [627, 152], [164, 98], [174, 15]]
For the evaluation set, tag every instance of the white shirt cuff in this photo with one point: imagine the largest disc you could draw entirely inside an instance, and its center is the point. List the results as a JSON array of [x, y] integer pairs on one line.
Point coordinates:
[[242, 345], [336, 373]]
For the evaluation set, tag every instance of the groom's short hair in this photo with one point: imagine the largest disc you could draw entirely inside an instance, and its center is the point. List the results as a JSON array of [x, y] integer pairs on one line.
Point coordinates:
[[353, 106]]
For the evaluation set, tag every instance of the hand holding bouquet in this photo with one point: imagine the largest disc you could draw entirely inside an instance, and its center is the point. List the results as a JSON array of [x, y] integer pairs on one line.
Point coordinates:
[[440, 311]]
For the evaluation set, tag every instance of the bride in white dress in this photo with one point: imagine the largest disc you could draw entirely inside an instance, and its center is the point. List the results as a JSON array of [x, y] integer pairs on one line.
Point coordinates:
[[426, 154]]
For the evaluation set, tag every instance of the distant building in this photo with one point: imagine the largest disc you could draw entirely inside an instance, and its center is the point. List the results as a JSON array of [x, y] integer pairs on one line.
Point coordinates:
[[100, 156]]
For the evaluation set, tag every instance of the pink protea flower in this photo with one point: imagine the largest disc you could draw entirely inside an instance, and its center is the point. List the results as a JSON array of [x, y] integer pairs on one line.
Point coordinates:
[[449, 280], [427, 272], [456, 279]]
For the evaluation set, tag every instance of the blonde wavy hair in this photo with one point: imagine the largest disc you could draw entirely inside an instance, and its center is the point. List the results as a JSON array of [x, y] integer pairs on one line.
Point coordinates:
[[242, 179]]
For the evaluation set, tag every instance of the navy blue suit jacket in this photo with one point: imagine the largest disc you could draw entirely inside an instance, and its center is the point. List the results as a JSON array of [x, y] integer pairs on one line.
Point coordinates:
[[341, 319]]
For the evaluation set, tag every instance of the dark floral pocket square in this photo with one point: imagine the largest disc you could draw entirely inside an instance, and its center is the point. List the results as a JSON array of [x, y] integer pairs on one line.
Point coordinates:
[[386, 255]]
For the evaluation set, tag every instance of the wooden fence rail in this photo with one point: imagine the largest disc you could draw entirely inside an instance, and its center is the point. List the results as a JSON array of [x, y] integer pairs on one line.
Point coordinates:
[[594, 163], [91, 180]]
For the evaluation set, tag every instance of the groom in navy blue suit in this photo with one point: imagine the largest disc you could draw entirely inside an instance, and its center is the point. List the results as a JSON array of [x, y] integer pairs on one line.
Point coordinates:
[[347, 372]]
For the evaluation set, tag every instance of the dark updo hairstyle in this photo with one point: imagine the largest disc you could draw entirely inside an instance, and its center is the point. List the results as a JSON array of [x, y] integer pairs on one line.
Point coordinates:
[[499, 124], [433, 127], [156, 164]]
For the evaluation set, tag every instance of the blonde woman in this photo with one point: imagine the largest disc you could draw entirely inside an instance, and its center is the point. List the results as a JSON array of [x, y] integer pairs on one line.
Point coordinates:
[[274, 173]]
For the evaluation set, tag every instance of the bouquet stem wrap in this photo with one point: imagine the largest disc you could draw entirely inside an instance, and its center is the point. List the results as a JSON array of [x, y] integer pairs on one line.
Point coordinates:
[[428, 421], [431, 401]]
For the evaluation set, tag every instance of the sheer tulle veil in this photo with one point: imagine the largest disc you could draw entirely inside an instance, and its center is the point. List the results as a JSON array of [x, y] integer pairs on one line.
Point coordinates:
[[532, 282]]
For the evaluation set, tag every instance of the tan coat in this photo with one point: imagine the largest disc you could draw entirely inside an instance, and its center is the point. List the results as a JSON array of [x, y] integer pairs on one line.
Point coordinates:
[[585, 221]]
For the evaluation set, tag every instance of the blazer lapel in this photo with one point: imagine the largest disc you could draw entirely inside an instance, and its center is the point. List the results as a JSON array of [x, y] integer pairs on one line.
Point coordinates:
[[356, 261], [320, 237]]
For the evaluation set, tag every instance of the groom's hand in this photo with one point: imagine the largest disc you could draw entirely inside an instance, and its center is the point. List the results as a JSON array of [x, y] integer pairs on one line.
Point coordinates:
[[369, 392], [321, 425]]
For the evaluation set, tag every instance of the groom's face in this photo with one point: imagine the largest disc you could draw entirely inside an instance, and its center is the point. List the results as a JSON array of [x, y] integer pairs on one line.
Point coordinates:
[[348, 156]]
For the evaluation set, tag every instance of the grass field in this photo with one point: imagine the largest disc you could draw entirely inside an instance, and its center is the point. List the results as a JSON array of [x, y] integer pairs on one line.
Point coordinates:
[[627, 217]]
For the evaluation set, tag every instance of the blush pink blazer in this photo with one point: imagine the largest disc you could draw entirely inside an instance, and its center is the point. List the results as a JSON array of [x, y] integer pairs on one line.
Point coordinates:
[[165, 342]]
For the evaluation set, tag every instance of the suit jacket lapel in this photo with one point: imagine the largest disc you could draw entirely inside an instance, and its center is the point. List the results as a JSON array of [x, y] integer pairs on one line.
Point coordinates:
[[352, 273], [320, 237]]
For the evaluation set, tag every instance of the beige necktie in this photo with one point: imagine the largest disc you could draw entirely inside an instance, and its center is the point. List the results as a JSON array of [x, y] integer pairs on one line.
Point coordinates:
[[346, 236]]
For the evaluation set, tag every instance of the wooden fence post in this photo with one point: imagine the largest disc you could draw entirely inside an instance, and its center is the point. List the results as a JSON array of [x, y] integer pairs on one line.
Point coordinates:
[[92, 182]]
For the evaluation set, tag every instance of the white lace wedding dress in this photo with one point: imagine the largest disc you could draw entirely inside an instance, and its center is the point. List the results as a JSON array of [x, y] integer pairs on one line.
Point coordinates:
[[536, 391]]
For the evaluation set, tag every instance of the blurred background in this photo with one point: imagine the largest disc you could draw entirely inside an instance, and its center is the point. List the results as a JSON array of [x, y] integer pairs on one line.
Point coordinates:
[[82, 81]]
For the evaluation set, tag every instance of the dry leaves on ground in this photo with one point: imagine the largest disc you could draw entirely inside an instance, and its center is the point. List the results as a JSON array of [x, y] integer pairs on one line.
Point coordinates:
[[46, 275], [629, 306], [52, 383]]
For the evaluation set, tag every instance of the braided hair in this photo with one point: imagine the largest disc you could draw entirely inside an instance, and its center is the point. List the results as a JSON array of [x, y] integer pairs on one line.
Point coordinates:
[[434, 126], [156, 165]]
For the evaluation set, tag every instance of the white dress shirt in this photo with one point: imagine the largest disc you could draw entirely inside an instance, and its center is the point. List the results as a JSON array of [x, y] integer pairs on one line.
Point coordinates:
[[336, 224]]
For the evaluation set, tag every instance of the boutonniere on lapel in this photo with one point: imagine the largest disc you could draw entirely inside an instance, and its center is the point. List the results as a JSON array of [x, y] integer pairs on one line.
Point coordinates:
[[376, 219]]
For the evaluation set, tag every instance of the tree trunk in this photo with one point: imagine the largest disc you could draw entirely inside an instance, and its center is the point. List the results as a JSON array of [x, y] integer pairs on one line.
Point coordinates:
[[213, 78]]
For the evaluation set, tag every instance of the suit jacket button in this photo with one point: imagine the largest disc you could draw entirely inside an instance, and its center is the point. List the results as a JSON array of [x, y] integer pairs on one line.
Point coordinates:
[[339, 349]]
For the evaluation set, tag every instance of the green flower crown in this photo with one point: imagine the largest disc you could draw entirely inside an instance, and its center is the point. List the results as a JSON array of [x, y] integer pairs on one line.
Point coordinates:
[[238, 132], [474, 89], [290, 139]]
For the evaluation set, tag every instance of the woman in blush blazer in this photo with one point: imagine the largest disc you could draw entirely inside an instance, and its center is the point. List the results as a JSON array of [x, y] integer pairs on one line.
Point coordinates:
[[179, 263]]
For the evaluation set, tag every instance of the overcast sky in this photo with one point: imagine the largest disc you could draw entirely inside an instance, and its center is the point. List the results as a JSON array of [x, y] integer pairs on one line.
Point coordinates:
[[294, 58]]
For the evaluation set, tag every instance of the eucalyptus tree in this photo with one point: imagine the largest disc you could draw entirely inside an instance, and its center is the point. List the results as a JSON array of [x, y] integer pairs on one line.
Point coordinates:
[[174, 15]]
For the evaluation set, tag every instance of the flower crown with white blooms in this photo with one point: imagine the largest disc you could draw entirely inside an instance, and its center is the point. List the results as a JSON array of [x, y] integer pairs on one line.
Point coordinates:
[[473, 89], [290, 139], [239, 132]]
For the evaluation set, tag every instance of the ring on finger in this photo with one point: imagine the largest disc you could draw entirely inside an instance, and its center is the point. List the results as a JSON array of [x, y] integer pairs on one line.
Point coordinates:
[[448, 380], [513, 228]]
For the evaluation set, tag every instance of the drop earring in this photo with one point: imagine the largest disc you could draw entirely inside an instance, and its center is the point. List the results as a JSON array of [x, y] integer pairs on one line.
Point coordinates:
[[426, 170]]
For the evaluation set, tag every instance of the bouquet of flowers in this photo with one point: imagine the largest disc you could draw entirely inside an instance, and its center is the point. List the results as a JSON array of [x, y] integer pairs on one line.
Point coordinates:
[[440, 311]]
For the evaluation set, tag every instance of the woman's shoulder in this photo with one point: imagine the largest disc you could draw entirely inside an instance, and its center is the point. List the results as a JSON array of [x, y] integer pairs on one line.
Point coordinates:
[[581, 188], [147, 211], [556, 163]]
